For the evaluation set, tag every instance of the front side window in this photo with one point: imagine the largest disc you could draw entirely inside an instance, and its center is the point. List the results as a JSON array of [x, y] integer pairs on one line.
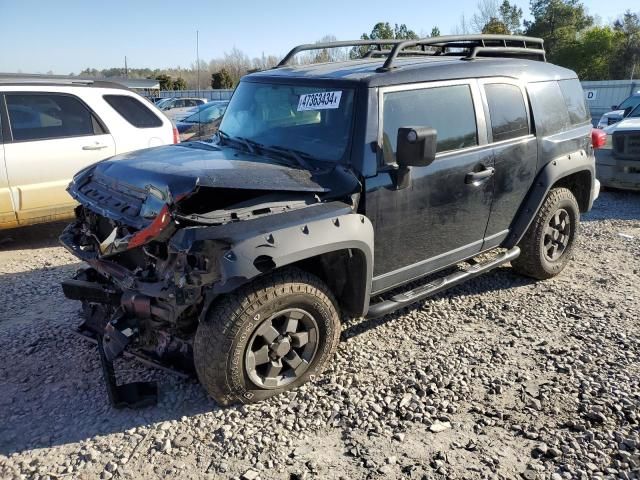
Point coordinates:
[[48, 116], [447, 109], [316, 121], [507, 111], [133, 111]]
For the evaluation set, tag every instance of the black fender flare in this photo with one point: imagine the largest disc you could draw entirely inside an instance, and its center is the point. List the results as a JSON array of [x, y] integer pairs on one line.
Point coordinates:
[[248, 249], [549, 175]]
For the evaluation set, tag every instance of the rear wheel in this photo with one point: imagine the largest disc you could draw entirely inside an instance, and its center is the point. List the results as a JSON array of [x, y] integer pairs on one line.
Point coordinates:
[[269, 336], [547, 245]]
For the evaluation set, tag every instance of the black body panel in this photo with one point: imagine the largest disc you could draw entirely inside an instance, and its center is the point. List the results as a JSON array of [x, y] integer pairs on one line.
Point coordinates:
[[424, 221]]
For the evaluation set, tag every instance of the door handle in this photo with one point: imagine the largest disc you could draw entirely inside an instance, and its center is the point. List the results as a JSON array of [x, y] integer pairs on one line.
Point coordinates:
[[97, 146], [478, 177]]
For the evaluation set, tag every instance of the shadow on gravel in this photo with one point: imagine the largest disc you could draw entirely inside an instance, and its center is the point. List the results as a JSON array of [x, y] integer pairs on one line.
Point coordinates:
[[500, 279], [33, 237], [51, 386]]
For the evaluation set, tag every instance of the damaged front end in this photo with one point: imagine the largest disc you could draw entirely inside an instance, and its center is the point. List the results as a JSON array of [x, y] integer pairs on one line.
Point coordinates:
[[154, 256]]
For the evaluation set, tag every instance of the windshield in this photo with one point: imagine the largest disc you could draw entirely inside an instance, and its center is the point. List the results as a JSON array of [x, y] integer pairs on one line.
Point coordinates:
[[206, 114], [630, 102], [635, 113], [312, 120], [161, 102]]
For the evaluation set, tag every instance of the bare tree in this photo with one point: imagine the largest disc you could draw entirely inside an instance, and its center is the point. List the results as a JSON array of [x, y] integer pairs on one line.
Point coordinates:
[[487, 11]]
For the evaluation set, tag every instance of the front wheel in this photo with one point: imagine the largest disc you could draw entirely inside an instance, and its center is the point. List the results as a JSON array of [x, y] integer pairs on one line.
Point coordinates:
[[547, 245], [269, 336]]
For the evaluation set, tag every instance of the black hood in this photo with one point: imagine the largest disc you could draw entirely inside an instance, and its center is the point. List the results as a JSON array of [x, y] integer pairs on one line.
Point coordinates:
[[175, 171]]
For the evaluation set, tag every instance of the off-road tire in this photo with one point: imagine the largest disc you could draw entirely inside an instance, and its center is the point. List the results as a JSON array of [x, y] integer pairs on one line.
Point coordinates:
[[222, 339], [532, 261]]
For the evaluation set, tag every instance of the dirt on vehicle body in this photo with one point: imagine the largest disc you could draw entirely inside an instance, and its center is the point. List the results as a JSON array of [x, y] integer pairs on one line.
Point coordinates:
[[240, 256]]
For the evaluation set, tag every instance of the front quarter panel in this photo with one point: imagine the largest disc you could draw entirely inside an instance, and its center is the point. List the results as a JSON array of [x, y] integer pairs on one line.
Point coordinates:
[[256, 247]]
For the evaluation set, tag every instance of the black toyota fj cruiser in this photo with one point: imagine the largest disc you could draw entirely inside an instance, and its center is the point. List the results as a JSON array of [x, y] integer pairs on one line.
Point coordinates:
[[328, 186]]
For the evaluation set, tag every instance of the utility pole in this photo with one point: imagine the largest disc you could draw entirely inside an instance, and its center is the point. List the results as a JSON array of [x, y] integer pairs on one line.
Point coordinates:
[[126, 69], [198, 59]]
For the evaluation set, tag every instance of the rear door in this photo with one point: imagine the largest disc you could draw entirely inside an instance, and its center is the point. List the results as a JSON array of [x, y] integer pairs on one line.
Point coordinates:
[[515, 152], [7, 213], [53, 135]]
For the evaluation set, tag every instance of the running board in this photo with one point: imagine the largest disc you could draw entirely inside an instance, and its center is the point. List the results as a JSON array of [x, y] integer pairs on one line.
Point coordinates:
[[440, 284]]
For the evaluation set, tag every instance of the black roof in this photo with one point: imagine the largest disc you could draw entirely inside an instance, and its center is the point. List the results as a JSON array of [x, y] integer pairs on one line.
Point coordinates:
[[416, 69]]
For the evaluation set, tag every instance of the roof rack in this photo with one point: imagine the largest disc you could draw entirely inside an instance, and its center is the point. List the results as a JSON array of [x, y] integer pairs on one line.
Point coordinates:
[[38, 79], [473, 46]]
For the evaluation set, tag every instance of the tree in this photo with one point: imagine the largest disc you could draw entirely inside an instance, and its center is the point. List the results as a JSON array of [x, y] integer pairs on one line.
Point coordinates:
[[327, 54], [492, 17], [221, 79], [179, 84], [626, 60], [558, 22], [487, 10], [435, 32], [511, 17], [165, 82], [495, 26], [383, 31], [591, 53]]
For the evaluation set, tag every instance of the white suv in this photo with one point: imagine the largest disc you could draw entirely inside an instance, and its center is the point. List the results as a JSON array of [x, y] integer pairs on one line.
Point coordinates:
[[50, 128]]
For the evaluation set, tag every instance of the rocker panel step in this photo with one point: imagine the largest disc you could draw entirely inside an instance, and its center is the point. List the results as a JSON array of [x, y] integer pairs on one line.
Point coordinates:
[[440, 284]]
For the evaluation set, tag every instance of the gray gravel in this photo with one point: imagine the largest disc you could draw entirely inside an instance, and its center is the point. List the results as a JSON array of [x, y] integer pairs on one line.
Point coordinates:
[[499, 378]]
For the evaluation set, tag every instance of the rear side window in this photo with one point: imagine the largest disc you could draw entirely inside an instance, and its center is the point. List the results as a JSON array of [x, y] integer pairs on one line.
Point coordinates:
[[574, 99], [133, 111], [549, 108], [49, 116], [507, 110], [447, 109]]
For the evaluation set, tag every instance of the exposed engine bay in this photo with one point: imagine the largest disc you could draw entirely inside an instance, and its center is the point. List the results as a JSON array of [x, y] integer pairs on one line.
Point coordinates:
[[158, 255]]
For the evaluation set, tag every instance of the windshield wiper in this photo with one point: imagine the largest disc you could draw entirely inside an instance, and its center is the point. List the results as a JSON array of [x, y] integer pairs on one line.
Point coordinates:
[[298, 156], [249, 144]]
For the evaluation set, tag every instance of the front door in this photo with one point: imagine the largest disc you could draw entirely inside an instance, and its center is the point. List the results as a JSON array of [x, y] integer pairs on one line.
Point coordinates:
[[441, 216], [53, 136]]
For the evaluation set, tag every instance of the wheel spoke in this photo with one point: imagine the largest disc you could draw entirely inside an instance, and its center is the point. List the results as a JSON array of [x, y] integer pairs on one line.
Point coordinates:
[[292, 359], [268, 332], [299, 339], [260, 357], [552, 251], [549, 231], [274, 368]]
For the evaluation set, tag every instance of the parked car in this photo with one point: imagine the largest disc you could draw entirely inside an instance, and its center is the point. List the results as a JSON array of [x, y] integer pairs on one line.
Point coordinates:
[[619, 111], [242, 256], [177, 108], [51, 127], [618, 162], [203, 123]]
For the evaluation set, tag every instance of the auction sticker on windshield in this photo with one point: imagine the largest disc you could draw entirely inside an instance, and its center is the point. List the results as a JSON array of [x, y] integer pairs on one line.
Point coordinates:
[[319, 101]]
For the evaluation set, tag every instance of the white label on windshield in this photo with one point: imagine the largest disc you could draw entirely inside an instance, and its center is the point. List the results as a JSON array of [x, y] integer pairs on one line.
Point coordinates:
[[319, 101]]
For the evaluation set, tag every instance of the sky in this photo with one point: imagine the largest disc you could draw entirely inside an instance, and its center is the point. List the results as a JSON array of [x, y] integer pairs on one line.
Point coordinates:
[[65, 36]]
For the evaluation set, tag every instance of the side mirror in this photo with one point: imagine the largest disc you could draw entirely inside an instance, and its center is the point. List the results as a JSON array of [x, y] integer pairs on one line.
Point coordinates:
[[416, 146], [614, 107]]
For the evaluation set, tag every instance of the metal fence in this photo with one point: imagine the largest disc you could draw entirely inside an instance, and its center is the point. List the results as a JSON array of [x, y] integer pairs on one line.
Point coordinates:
[[208, 94], [602, 95]]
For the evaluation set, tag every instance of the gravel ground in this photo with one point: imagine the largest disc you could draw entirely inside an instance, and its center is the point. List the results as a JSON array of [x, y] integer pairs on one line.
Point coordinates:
[[499, 378]]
